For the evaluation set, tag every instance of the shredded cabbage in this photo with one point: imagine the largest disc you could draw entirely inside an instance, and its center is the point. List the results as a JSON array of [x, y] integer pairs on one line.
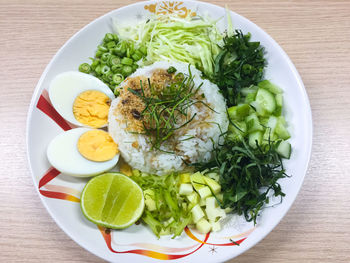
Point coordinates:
[[193, 40]]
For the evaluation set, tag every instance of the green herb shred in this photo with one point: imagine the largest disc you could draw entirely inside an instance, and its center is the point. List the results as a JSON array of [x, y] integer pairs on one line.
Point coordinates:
[[240, 64], [247, 175]]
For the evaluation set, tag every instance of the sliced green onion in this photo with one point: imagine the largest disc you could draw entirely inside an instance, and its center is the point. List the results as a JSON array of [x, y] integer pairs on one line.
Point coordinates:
[[105, 57], [98, 53], [134, 67], [127, 61], [117, 68], [120, 49], [137, 55], [85, 68], [108, 37], [118, 78], [102, 48], [113, 60], [98, 70], [94, 64], [127, 70], [111, 45], [105, 70]]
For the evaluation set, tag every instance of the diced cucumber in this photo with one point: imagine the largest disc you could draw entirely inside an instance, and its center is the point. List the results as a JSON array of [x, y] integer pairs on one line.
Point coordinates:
[[214, 176], [214, 186], [204, 192], [266, 101], [265, 84], [237, 134], [197, 213], [253, 123], [241, 125], [193, 198], [279, 99], [210, 202], [284, 149], [197, 181], [215, 226], [269, 134], [203, 226], [228, 210], [220, 197], [281, 131], [211, 212], [185, 178], [202, 202], [238, 112], [249, 90], [255, 137], [185, 189], [279, 104], [250, 97]]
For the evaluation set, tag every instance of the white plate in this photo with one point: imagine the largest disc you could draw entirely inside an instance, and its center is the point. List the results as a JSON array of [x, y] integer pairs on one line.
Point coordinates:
[[60, 193]]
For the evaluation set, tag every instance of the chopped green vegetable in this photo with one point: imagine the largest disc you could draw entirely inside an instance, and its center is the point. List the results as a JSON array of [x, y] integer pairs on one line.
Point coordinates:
[[166, 203], [112, 57], [85, 68], [240, 64], [247, 175]]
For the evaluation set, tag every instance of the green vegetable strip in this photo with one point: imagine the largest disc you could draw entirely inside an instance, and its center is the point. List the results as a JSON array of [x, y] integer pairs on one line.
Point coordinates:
[[168, 204]]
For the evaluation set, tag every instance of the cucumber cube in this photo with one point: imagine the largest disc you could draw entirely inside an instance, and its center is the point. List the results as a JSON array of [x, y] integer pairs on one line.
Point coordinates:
[[185, 178], [255, 137], [253, 123], [214, 186], [215, 226], [202, 202], [266, 101], [281, 131], [265, 84], [197, 213], [214, 176], [284, 149], [197, 181], [185, 189], [204, 192], [238, 112], [203, 226], [210, 202], [193, 198]]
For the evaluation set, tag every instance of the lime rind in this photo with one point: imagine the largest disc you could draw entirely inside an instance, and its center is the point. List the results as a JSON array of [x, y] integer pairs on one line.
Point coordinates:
[[137, 213]]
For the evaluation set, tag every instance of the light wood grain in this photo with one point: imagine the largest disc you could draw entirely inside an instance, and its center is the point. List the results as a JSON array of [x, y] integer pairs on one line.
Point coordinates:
[[316, 36]]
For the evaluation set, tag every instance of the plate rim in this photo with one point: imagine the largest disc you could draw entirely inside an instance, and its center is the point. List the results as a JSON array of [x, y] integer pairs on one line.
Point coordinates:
[[296, 75]]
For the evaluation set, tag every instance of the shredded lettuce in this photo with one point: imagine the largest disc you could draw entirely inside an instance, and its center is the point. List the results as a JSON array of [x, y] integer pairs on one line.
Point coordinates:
[[193, 40]]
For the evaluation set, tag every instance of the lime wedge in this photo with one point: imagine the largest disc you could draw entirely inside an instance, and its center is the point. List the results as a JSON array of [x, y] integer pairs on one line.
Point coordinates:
[[112, 200]]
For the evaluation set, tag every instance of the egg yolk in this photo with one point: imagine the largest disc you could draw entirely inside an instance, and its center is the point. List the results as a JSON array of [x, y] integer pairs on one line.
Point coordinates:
[[97, 145], [91, 108]]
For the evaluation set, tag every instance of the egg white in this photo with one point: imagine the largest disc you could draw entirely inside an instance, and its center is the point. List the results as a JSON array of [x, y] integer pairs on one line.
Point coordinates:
[[63, 154], [65, 87]]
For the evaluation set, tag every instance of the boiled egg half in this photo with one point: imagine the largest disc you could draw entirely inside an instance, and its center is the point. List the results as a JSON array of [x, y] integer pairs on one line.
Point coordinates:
[[83, 152], [81, 99]]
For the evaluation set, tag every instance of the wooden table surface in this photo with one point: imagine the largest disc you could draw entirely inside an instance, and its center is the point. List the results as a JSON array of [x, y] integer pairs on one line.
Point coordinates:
[[316, 36]]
